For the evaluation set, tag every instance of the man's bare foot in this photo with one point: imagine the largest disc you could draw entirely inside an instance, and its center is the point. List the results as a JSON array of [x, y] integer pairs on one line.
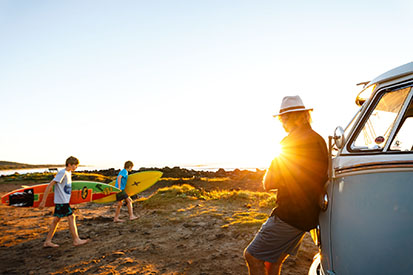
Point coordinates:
[[50, 244], [133, 218], [118, 220], [80, 242]]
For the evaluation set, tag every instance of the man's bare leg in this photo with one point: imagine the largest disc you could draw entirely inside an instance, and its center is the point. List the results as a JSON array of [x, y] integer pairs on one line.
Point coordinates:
[[259, 267], [275, 268]]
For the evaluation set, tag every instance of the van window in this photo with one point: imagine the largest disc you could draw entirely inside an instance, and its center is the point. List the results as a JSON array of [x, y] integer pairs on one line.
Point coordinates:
[[404, 138], [377, 128]]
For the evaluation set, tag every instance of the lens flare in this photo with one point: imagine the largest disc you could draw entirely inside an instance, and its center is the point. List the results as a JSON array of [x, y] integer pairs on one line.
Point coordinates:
[[277, 150]]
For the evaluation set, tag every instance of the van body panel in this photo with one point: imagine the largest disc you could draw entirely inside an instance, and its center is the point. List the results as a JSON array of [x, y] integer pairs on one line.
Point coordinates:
[[372, 223]]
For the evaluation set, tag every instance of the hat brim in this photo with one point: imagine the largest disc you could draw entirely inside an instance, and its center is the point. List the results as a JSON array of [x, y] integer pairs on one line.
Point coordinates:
[[291, 111]]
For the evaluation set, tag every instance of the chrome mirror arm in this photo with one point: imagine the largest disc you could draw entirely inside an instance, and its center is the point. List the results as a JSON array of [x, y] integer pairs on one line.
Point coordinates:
[[337, 140], [330, 158]]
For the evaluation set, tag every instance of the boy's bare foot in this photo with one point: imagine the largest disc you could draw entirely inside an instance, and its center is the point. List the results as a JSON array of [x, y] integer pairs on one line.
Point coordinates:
[[80, 242], [133, 218], [50, 244], [118, 220]]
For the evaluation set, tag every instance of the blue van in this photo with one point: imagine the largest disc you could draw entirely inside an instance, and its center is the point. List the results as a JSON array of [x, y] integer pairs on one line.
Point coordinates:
[[366, 226]]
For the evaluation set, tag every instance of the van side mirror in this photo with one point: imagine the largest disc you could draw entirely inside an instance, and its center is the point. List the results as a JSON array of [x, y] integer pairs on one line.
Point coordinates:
[[339, 137]]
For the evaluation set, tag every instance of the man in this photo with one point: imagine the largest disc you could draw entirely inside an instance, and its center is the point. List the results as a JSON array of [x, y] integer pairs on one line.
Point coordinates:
[[298, 175]]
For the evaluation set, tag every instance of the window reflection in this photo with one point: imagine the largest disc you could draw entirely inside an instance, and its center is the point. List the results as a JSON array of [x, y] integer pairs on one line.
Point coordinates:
[[377, 128], [404, 137]]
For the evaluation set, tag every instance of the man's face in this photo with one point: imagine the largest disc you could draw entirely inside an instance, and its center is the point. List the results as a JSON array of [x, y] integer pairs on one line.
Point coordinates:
[[285, 122]]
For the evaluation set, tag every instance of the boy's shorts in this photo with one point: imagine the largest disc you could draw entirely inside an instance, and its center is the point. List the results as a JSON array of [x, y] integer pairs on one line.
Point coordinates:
[[62, 210], [275, 238], [121, 195]]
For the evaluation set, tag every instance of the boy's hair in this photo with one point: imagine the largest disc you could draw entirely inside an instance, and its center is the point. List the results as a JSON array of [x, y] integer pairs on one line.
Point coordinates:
[[128, 164], [72, 160]]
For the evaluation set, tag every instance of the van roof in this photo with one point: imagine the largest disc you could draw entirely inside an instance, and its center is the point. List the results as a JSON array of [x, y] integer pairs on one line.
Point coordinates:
[[397, 72]]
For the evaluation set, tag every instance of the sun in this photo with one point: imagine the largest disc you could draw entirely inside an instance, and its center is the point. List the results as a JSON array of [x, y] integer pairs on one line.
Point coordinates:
[[277, 150]]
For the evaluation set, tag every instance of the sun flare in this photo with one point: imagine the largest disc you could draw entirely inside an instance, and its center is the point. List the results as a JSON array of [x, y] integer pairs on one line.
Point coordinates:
[[277, 150]]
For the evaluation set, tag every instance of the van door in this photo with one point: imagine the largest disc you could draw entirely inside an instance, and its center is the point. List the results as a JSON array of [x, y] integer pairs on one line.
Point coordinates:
[[371, 195]]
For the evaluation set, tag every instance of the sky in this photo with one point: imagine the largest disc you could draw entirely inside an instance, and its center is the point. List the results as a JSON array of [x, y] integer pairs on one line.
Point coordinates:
[[183, 83]]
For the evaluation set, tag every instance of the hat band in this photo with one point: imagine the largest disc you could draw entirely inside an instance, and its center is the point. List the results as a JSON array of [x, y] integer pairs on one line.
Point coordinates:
[[291, 108]]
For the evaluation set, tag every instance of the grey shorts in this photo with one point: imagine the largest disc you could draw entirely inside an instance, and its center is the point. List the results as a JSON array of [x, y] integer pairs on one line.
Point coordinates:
[[275, 238]]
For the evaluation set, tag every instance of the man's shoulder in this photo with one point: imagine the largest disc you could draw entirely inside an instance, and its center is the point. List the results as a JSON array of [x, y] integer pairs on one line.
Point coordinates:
[[311, 133], [316, 134], [304, 135]]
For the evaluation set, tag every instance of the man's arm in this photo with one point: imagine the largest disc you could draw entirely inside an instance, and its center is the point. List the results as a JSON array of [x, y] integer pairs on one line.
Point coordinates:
[[271, 178], [268, 182], [46, 193]]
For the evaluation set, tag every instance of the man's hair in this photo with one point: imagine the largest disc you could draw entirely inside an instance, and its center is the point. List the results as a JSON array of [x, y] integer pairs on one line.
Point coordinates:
[[300, 118], [128, 164], [72, 160]]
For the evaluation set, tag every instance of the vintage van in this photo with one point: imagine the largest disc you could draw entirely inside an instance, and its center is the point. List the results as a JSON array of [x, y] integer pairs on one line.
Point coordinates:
[[367, 223]]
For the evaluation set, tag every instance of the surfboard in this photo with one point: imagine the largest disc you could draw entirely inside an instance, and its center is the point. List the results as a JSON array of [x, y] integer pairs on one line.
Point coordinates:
[[137, 182], [82, 191]]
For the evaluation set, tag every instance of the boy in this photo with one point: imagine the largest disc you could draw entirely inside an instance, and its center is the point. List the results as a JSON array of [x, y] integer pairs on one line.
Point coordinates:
[[62, 193], [121, 184]]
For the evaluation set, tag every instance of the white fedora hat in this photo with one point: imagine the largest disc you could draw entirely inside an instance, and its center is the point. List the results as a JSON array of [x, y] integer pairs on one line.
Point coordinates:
[[292, 104]]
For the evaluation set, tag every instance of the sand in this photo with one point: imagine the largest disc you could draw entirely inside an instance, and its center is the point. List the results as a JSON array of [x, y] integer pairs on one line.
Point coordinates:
[[191, 239]]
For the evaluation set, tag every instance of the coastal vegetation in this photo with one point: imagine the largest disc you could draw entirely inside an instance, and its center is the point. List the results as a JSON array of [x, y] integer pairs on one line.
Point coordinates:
[[9, 165], [48, 176]]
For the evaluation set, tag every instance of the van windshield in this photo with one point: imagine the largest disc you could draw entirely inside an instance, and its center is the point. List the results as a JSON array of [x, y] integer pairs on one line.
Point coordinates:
[[347, 130], [403, 139], [377, 128]]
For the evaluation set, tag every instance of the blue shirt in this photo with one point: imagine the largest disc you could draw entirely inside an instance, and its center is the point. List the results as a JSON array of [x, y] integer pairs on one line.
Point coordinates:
[[123, 180]]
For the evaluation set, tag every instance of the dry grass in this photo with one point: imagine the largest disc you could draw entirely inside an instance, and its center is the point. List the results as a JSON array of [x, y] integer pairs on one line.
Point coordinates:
[[180, 193], [179, 202]]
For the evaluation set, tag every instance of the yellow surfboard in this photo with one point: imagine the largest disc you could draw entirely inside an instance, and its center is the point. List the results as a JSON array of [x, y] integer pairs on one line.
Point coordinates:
[[136, 183]]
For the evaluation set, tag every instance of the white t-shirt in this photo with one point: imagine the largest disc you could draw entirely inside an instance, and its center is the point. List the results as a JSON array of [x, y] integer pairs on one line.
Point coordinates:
[[63, 186]]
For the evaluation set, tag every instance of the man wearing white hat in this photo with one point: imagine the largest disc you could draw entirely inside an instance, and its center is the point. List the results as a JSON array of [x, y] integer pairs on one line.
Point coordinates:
[[298, 174]]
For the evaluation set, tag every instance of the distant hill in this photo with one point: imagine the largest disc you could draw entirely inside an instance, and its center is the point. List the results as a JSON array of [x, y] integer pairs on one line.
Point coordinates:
[[9, 165]]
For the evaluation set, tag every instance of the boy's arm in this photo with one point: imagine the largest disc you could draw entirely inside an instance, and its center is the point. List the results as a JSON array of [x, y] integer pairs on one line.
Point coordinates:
[[118, 181], [46, 192]]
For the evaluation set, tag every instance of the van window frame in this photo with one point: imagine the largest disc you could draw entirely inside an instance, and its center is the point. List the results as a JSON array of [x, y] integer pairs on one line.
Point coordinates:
[[403, 118], [360, 124]]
